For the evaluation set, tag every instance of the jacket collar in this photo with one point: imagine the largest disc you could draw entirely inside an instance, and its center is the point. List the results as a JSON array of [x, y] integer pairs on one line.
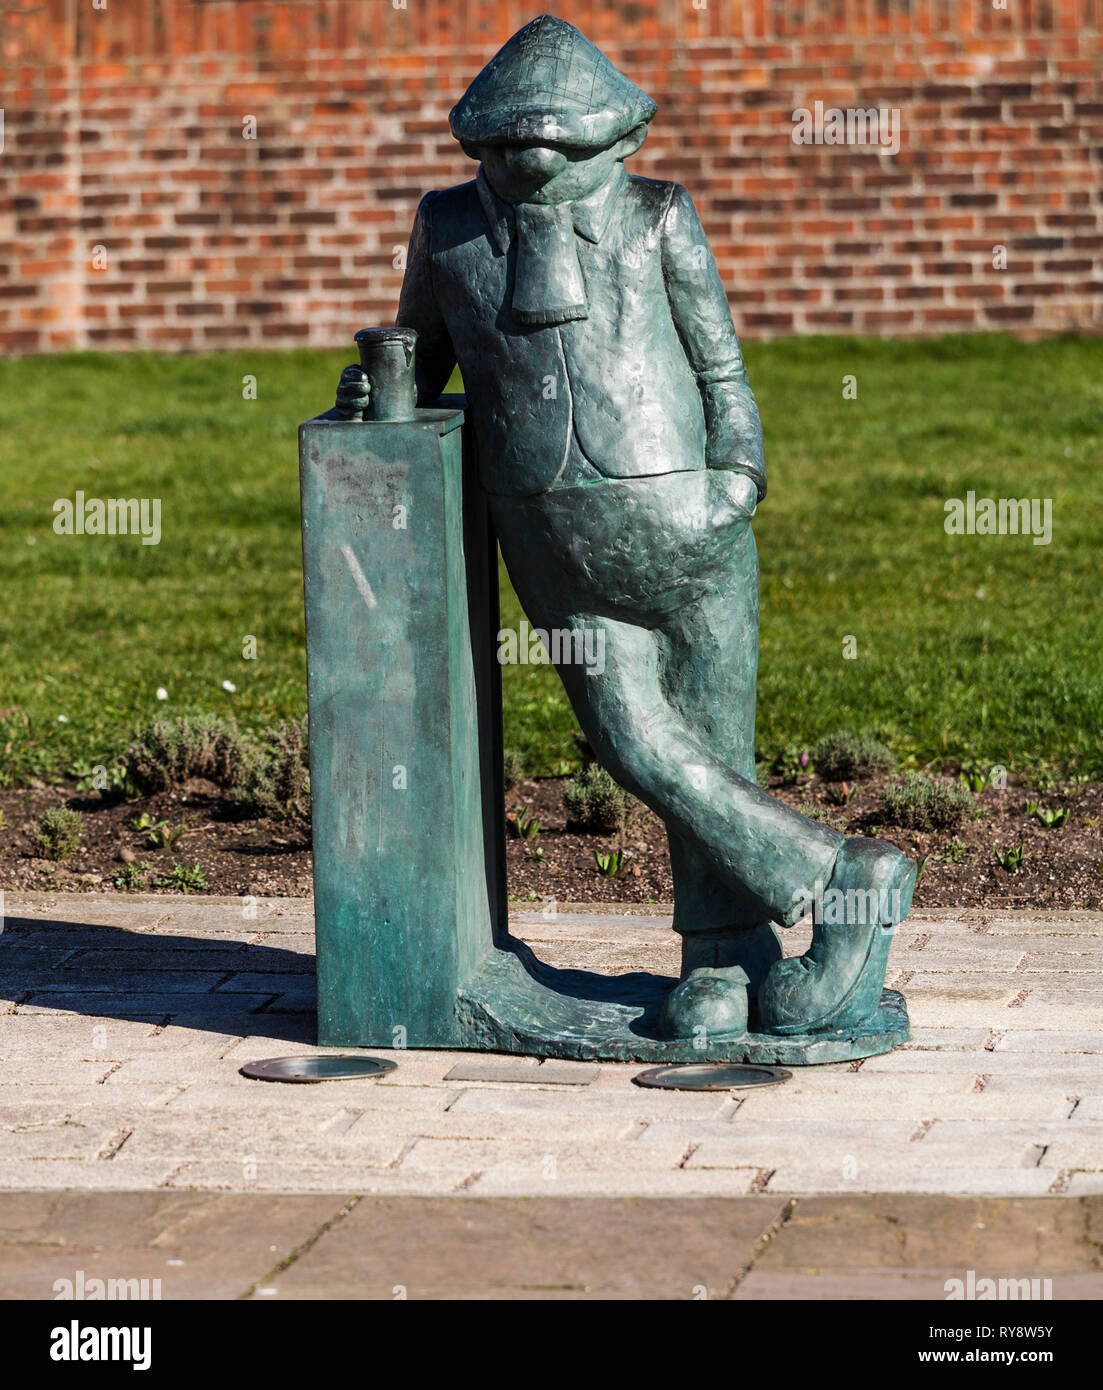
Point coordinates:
[[591, 216]]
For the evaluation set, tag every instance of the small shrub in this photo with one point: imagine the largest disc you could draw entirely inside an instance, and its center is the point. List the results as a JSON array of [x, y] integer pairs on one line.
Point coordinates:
[[595, 802], [131, 877], [107, 778], [159, 833], [513, 768], [1047, 816], [277, 784], [523, 824], [815, 812], [974, 775], [791, 763], [926, 803], [612, 864], [192, 880], [170, 752], [842, 756], [57, 834]]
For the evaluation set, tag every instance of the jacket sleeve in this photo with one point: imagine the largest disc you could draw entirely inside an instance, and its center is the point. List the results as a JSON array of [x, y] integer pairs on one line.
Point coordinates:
[[434, 356], [703, 319]]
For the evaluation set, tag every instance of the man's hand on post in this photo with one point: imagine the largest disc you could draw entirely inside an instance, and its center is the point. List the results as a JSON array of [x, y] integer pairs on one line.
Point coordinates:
[[353, 393]]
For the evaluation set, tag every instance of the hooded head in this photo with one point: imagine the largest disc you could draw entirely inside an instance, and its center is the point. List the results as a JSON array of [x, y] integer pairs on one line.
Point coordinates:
[[550, 116]]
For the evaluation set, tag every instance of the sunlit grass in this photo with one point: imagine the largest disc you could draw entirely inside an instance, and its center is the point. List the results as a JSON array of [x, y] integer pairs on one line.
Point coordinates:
[[966, 646]]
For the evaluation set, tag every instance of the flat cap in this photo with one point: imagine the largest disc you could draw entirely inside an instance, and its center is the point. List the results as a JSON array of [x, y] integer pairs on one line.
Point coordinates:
[[549, 83]]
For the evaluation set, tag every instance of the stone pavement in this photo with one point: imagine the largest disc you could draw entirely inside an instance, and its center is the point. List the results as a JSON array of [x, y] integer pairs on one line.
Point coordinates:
[[268, 1247], [124, 1021]]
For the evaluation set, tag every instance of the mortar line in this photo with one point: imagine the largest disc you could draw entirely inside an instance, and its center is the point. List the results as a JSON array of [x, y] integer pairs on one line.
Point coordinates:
[[303, 1249], [776, 1226]]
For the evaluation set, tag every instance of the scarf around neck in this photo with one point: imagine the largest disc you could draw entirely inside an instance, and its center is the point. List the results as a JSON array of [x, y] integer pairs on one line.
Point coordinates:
[[548, 287]]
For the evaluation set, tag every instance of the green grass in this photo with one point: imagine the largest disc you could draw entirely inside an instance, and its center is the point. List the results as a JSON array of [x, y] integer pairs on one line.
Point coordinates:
[[985, 647]]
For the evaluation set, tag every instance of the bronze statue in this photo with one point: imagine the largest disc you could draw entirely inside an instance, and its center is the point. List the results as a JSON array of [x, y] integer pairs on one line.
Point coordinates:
[[620, 452]]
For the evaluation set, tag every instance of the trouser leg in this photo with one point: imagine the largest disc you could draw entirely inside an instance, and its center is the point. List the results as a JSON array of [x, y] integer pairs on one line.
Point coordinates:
[[754, 846], [710, 667]]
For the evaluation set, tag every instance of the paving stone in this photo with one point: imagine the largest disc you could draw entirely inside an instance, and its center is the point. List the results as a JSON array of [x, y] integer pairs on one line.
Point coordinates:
[[1009, 1144], [46, 1104], [1019, 1064], [519, 1125], [760, 1286], [199, 1246], [23, 1071], [198, 1005], [976, 956], [620, 1183], [122, 943], [156, 954], [567, 1246], [567, 1104], [924, 1235], [525, 1071], [928, 1011], [1047, 924], [948, 1039], [247, 982], [892, 1175], [27, 959], [771, 1143], [230, 1092], [1035, 1040], [34, 1176], [1079, 1147], [276, 1176], [175, 1134], [955, 1080], [114, 983], [47, 1141], [1059, 1080], [1089, 1110], [1085, 1184], [542, 1159], [902, 1104]]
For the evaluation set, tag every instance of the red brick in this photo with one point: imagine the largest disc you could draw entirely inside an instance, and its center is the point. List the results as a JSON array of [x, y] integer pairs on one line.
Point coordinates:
[[133, 139]]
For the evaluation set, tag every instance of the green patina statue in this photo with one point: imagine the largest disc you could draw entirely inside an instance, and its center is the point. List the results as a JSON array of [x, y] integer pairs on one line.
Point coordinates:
[[619, 452]]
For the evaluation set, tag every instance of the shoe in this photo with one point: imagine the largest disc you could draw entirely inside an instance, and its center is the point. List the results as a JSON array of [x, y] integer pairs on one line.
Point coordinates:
[[710, 1004], [836, 985]]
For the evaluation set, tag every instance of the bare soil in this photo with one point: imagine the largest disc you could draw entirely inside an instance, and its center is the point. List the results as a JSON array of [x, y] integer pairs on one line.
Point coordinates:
[[1062, 867]]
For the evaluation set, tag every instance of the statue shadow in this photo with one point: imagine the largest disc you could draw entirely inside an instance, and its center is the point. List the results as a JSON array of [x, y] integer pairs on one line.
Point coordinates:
[[233, 986], [101, 971]]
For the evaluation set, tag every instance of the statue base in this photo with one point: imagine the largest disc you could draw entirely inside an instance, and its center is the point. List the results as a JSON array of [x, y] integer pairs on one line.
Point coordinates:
[[518, 1004]]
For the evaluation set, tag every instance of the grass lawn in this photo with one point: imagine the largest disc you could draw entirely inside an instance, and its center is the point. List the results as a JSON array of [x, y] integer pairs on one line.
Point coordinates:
[[983, 647]]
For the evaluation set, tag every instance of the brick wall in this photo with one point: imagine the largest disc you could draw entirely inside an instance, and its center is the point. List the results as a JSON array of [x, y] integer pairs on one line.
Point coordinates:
[[124, 124]]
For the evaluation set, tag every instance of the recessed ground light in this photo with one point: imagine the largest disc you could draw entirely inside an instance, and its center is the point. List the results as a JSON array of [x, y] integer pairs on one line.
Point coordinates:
[[340, 1068], [712, 1076]]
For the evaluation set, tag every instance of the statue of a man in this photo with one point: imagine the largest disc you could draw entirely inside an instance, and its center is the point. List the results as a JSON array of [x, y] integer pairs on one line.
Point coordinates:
[[621, 452]]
